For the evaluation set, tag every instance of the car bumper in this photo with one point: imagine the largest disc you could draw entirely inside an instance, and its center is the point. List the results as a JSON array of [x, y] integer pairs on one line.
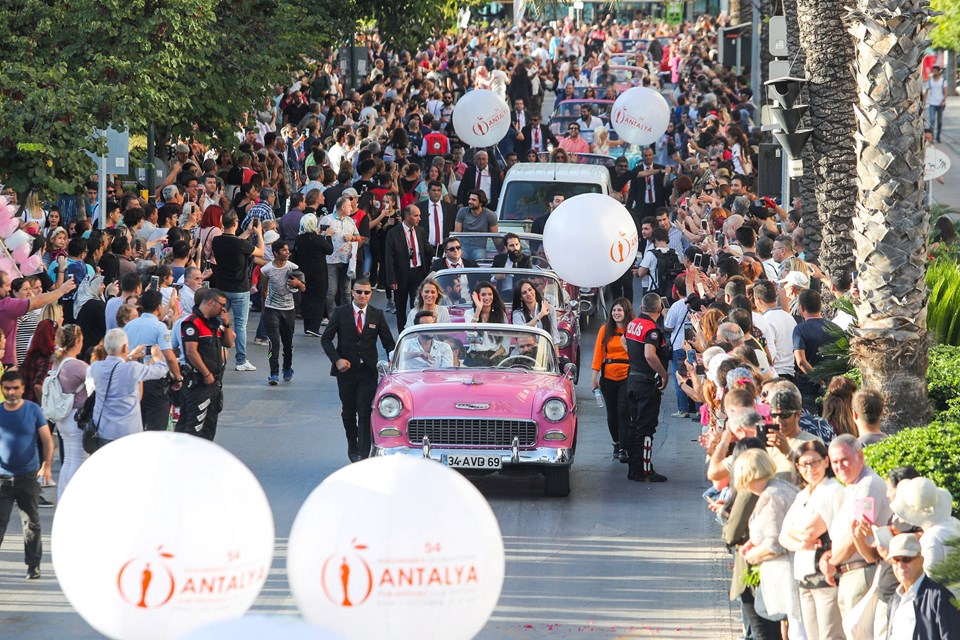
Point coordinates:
[[538, 456]]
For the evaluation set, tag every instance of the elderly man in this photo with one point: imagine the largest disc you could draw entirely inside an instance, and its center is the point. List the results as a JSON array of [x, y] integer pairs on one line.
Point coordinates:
[[480, 176], [345, 232], [117, 379], [864, 500], [730, 333], [921, 607]]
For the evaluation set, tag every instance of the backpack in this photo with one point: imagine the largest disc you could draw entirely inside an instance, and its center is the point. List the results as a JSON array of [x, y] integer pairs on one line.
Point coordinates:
[[56, 403], [668, 268]]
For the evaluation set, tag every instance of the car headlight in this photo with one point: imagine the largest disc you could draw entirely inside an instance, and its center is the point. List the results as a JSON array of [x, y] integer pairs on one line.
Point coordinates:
[[563, 338], [389, 407], [555, 410]]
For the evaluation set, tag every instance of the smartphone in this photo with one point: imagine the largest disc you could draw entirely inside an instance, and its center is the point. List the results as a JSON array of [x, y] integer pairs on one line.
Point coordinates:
[[864, 509], [719, 237], [155, 283], [692, 356], [206, 285], [324, 227], [703, 224], [883, 536], [698, 261], [688, 334]]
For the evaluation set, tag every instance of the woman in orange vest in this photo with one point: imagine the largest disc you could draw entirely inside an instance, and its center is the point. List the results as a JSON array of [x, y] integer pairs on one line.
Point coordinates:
[[610, 368]]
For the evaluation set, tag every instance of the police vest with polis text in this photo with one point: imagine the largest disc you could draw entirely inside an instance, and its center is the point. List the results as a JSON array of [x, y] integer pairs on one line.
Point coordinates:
[[641, 331]]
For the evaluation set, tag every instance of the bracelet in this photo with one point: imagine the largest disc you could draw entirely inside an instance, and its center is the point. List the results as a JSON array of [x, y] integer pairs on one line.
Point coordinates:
[[226, 326]]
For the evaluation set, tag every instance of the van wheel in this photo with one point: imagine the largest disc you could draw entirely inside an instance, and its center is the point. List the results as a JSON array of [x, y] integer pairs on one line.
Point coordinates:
[[557, 482]]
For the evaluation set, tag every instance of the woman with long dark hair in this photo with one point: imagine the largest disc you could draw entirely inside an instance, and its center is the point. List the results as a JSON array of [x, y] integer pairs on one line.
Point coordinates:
[[610, 369], [39, 357], [530, 308]]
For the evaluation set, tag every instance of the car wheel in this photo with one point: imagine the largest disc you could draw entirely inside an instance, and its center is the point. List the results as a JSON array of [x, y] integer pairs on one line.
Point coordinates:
[[576, 378], [557, 482]]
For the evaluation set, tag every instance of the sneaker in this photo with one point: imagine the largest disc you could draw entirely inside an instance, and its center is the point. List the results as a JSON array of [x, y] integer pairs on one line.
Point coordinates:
[[391, 308], [325, 322], [246, 366], [44, 503], [652, 476], [680, 414], [273, 380], [381, 288], [287, 375], [311, 333], [623, 456], [616, 450], [261, 341], [33, 573]]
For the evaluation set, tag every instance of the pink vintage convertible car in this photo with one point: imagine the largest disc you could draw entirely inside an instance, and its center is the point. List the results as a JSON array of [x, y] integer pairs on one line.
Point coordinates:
[[480, 398]]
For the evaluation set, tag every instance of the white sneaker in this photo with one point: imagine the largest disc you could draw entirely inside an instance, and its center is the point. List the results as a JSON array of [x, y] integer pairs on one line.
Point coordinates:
[[246, 366]]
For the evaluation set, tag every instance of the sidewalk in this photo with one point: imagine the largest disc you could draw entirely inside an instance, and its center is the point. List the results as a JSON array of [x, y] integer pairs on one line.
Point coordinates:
[[948, 193]]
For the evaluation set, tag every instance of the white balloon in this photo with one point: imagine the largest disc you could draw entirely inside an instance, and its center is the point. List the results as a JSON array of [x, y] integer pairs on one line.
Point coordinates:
[[159, 533], [481, 118], [935, 164], [260, 627], [640, 115], [396, 547], [590, 240], [16, 239]]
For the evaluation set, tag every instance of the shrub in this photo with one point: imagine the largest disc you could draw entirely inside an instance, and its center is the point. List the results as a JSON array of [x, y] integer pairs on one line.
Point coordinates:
[[943, 307], [933, 450], [943, 376]]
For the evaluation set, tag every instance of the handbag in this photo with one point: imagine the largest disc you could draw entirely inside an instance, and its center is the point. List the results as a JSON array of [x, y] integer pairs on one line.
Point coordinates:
[[777, 596], [85, 421]]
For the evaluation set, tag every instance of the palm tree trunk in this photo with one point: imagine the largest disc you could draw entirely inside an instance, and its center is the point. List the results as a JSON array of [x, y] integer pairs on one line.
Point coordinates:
[[891, 223], [828, 67]]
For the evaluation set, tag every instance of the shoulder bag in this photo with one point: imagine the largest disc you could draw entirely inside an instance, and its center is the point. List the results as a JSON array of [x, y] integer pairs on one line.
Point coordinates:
[[85, 421]]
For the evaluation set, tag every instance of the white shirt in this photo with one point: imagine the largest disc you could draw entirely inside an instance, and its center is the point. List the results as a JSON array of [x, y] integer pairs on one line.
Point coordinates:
[[434, 222], [935, 90], [335, 156], [485, 184], [772, 269], [415, 249], [781, 325], [761, 323], [903, 622], [677, 315]]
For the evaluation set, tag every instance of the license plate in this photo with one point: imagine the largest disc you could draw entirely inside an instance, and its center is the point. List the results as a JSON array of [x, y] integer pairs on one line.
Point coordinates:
[[471, 462]]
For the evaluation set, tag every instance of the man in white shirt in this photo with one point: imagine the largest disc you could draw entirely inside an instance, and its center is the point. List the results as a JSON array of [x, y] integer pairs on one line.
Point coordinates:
[[920, 607], [677, 316], [935, 95], [647, 271], [780, 325]]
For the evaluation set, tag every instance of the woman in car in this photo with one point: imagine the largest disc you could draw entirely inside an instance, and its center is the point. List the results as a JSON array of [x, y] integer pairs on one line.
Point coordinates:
[[531, 309], [428, 299], [487, 308]]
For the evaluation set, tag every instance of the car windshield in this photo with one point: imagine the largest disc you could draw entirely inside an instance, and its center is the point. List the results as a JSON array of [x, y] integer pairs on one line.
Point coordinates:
[[498, 346], [493, 244], [527, 200], [623, 75], [457, 285]]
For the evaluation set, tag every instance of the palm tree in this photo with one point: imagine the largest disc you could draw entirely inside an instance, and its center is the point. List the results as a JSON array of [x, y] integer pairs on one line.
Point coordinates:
[[891, 223], [827, 60]]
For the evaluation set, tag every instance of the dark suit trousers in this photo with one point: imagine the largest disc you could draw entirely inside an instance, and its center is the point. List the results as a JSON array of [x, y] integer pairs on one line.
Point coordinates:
[[155, 405], [357, 388], [406, 294]]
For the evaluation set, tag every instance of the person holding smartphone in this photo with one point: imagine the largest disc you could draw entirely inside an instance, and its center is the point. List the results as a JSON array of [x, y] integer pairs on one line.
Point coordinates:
[[677, 316], [231, 275]]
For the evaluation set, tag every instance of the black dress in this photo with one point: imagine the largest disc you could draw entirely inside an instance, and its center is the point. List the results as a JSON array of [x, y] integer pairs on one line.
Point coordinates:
[[92, 321], [310, 255]]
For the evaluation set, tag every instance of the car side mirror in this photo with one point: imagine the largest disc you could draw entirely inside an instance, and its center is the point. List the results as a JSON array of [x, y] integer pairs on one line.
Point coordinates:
[[382, 367], [570, 370], [573, 305]]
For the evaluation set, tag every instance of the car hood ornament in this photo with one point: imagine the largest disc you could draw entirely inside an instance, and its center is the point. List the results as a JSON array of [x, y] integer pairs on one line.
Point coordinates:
[[472, 406]]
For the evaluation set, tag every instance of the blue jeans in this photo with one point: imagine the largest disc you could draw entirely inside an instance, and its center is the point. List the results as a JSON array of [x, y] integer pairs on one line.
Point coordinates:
[[337, 281], [684, 403], [936, 120], [474, 253], [239, 305]]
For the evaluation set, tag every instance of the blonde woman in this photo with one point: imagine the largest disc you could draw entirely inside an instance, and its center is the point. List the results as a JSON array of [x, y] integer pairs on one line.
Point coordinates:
[[602, 141], [33, 216], [428, 299], [72, 374]]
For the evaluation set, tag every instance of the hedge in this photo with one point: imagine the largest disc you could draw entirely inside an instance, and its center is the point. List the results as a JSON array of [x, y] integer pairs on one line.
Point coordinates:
[[933, 450]]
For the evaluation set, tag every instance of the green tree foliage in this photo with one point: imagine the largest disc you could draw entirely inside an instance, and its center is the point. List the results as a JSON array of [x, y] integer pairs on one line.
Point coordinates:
[[69, 67], [946, 34]]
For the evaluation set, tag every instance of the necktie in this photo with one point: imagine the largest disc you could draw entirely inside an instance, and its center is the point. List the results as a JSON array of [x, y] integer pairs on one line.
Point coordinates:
[[649, 188], [536, 138], [479, 173], [413, 249], [359, 322], [436, 223]]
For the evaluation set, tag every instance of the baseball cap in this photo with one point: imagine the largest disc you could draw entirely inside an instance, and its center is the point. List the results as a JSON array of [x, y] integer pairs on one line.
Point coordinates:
[[350, 192], [904, 545], [797, 279], [271, 236]]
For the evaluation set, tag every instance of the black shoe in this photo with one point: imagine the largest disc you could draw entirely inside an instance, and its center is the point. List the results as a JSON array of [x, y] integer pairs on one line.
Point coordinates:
[[633, 472], [354, 457], [33, 573], [616, 450], [623, 456], [44, 503], [652, 476]]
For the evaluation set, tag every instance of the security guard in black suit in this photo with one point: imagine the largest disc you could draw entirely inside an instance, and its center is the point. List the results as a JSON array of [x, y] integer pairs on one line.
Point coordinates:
[[649, 354]]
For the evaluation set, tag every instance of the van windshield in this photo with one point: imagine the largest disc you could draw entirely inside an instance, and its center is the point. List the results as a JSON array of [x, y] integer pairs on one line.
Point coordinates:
[[527, 200]]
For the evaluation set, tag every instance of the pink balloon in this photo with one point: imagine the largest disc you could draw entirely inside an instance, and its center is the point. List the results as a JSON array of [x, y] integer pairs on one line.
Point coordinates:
[[32, 265], [7, 227], [7, 266], [6, 212], [22, 252]]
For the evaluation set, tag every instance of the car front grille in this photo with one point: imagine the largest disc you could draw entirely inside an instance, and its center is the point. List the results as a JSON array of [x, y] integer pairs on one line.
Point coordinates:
[[472, 432]]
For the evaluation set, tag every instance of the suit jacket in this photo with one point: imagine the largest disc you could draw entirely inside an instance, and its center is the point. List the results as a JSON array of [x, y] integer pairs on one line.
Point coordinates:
[[500, 261], [469, 182], [360, 350], [449, 211], [397, 253], [637, 197], [937, 618], [441, 263], [546, 137], [515, 116]]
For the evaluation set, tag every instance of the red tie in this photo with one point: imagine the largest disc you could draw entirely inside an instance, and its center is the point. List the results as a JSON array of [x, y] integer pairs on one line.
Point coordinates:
[[413, 249], [436, 224], [536, 138], [479, 172], [359, 322]]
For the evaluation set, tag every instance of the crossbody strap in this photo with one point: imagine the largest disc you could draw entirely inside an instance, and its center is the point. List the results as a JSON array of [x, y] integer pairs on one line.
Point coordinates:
[[107, 392]]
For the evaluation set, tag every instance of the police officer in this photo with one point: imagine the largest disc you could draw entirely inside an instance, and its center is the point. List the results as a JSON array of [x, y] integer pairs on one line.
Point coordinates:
[[204, 334], [649, 354]]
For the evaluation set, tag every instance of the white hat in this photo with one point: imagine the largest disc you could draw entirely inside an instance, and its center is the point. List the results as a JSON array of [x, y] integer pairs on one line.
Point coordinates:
[[269, 237], [797, 279], [922, 503], [904, 545]]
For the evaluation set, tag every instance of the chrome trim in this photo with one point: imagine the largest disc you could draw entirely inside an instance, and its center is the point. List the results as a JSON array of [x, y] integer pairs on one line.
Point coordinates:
[[515, 450], [508, 428], [425, 448], [566, 407], [561, 456], [472, 406]]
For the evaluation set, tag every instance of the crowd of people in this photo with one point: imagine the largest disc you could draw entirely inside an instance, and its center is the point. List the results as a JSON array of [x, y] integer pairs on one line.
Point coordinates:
[[329, 193]]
